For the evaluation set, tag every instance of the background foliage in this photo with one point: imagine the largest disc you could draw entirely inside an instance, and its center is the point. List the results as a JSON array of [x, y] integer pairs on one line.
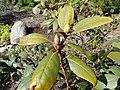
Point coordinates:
[[4, 34]]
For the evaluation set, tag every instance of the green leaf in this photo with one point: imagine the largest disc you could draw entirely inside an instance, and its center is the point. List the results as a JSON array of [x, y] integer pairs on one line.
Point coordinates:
[[90, 23], [43, 3], [47, 22], [110, 42], [81, 69], [115, 70], [115, 56], [36, 0], [116, 44], [66, 16], [25, 83], [82, 51], [46, 72], [82, 85], [111, 81], [55, 25], [4, 67], [28, 71], [100, 85], [23, 54], [32, 39]]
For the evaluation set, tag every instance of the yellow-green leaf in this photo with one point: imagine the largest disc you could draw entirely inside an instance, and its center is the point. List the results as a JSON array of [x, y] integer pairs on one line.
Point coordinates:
[[90, 23], [116, 44], [33, 39], [87, 54], [43, 3], [47, 22], [81, 69], [55, 25], [66, 16], [23, 54], [25, 83], [46, 72], [36, 0], [115, 56]]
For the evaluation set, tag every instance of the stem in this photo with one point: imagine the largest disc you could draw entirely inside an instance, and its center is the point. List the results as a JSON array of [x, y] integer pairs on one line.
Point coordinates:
[[58, 49], [63, 69]]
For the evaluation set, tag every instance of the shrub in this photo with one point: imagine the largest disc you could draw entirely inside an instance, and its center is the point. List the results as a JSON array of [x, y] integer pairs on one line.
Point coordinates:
[[46, 72]]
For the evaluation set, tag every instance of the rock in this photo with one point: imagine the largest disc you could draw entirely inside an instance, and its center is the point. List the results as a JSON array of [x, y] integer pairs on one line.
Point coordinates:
[[28, 25], [33, 21], [33, 24], [18, 30], [36, 10]]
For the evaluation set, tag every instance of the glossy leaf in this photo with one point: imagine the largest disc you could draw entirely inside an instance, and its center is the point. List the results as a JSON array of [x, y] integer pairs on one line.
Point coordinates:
[[111, 81], [82, 51], [28, 71], [43, 3], [115, 56], [110, 42], [55, 25], [66, 16], [90, 23], [80, 68], [47, 22], [100, 85], [23, 54], [25, 83], [82, 85], [32, 39], [116, 44], [115, 70], [36, 0], [46, 72]]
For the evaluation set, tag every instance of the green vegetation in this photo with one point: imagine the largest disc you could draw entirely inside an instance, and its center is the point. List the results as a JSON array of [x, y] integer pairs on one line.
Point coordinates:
[[49, 66], [4, 34], [80, 56]]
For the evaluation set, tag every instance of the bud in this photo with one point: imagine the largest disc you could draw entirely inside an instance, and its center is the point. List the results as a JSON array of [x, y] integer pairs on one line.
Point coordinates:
[[56, 39], [67, 28]]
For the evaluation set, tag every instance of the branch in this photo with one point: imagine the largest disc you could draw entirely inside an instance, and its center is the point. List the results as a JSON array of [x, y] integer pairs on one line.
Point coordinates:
[[63, 69]]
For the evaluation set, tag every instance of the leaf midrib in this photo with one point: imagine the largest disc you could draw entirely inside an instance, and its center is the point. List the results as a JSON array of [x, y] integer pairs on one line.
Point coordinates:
[[83, 68], [25, 82], [43, 71]]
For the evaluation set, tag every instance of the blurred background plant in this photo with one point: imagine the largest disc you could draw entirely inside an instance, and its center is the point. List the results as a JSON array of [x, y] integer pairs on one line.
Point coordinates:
[[17, 62], [4, 34]]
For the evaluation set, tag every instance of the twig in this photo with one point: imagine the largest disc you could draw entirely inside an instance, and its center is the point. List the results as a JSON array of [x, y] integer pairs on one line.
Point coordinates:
[[62, 67]]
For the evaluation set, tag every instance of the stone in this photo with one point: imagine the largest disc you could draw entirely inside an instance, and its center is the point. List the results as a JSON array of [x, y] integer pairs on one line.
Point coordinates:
[[36, 10], [33, 21], [18, 30], [33, 24]]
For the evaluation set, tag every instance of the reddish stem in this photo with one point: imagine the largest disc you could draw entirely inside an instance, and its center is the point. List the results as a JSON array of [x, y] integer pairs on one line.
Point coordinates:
[[62, 67]]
